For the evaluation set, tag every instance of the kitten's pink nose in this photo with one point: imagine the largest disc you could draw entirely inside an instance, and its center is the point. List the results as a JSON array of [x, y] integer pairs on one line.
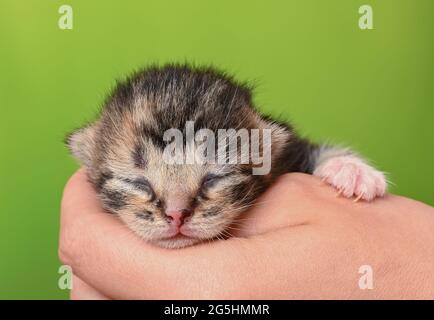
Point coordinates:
[[177, 217], [177, 207]]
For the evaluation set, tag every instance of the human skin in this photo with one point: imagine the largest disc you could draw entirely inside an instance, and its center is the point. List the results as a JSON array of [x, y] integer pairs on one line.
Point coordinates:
[[300, 241]]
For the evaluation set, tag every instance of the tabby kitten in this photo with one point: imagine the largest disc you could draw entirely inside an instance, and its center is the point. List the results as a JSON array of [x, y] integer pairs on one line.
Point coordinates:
[[177, 204]]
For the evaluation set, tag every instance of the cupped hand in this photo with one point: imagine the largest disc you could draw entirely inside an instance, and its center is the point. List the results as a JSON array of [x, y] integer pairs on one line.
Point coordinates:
[[299, 241]]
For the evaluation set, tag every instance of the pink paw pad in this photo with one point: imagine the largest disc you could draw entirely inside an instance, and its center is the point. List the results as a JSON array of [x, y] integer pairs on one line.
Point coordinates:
[[352, 177]]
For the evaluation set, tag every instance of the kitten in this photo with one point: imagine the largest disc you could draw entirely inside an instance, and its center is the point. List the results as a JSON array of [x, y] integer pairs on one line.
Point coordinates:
[[175, 205]]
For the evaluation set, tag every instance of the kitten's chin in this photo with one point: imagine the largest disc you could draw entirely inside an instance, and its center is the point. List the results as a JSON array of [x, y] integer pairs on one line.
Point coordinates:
[[176, 242]]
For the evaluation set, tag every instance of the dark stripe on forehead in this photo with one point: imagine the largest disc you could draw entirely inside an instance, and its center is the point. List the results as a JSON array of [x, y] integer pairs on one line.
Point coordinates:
[[139, 156], [155, 136]]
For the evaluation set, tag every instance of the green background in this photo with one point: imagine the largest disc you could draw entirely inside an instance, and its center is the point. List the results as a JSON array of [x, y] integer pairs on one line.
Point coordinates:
[[371, 89]]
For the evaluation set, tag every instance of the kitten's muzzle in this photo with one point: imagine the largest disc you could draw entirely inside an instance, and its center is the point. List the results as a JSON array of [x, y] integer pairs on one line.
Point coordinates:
[[178, 217]]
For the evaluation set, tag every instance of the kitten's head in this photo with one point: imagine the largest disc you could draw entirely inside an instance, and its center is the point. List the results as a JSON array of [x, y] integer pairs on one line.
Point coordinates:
[[176, 204]]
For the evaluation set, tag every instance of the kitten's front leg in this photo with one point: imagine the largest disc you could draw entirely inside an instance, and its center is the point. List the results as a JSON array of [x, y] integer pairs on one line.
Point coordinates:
[[349, 173]]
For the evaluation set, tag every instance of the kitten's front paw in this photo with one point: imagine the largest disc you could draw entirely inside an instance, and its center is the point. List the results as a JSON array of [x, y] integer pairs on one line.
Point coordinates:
[[352, 177]]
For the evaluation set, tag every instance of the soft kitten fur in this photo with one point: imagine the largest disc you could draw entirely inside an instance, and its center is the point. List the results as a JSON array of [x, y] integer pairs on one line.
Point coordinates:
[[122, 152]]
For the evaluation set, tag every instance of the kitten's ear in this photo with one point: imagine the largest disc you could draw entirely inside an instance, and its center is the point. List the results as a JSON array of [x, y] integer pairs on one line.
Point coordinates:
[[81, 144]]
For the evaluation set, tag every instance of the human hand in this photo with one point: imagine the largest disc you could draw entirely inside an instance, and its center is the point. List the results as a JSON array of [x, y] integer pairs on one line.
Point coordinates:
[[299, 241]]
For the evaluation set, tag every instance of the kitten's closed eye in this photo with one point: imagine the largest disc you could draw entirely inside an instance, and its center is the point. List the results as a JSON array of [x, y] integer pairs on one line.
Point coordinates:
[[210, 179], [141, 184]]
